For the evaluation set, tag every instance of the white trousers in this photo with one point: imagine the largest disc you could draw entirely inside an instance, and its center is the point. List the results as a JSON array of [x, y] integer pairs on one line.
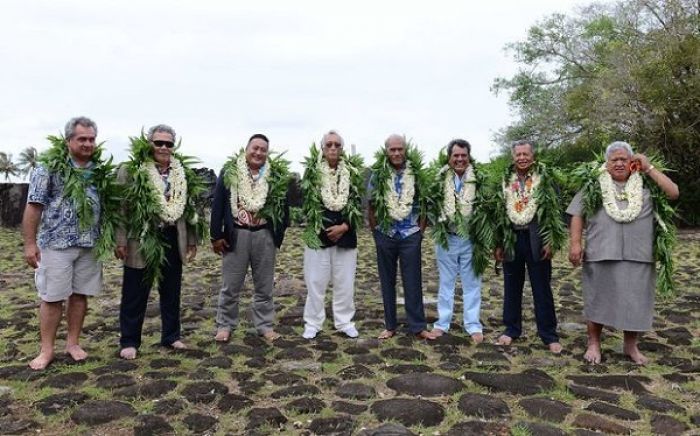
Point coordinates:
[[321, 267]]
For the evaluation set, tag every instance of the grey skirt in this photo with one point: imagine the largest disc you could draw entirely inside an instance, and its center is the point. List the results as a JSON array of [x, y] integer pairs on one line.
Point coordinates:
[[619, 294]]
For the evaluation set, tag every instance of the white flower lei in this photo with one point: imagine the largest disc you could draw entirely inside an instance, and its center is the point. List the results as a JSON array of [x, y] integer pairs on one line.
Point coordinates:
[[399, 207], [335, 185], [524, 200], [251, 194], [465, 197], [632, 193], [170, 210]]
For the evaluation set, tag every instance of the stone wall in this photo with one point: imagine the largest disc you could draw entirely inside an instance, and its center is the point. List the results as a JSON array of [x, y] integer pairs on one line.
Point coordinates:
[[13, 196]]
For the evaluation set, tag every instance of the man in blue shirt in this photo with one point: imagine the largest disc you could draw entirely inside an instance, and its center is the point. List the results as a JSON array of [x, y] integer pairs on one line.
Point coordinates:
[[60, 250], [399, 238]]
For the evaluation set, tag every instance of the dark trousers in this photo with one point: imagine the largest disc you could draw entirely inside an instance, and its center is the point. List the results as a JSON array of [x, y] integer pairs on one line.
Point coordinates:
[[408, 252], [135, 293], [540, 272]]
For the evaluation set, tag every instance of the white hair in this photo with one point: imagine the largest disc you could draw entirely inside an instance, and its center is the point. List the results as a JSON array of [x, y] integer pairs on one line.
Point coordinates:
[[618, 145]]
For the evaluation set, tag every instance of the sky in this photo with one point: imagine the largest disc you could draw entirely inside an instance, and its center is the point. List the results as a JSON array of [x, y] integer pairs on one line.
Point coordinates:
[[217, 71]]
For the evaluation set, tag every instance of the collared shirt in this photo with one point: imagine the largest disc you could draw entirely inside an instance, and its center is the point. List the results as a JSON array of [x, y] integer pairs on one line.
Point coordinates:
[[248, 219], [406, 227], [59, 227]]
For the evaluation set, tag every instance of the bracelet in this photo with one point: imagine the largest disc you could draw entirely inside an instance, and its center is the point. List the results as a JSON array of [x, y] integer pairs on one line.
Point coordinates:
[[651, 167]]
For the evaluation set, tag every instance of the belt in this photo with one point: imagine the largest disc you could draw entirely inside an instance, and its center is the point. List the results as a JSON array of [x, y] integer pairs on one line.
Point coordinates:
[[249, 228]]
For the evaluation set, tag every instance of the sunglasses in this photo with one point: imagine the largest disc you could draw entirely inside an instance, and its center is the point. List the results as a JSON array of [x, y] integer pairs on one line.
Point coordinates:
[[164, 144], [332, 144]]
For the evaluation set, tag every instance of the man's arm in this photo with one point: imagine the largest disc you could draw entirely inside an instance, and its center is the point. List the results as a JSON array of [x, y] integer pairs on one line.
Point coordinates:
[[30, 225]]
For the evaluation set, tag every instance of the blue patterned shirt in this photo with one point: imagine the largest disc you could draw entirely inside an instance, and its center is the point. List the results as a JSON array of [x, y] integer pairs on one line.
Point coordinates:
[[407, 226], [59, 228]]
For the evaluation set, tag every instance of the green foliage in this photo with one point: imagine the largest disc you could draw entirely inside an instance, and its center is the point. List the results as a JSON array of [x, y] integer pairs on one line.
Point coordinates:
[[296, 216], [75, 187], [313, 204], [382, 172], [619, 71]]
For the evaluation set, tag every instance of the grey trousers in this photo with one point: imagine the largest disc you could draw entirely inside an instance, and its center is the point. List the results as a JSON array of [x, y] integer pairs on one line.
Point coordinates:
[[256, 249]]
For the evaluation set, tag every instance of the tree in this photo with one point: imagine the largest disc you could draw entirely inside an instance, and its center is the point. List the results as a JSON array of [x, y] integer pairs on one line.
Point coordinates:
[[629, 70], [28, 160], [7, 167]]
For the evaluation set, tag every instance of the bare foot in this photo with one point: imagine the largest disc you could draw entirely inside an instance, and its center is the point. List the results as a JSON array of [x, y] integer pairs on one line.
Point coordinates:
[[386, 334], [592, 354], [555, 348], [76, 353], [436, 333], [504, 340], [425, 335], [477, 337], [633, 353], [41, 361], [128, 353], [271, 335], [178, 345], [222, 336]]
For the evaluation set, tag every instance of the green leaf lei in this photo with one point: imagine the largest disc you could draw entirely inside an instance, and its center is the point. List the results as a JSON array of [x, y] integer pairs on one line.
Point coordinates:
[[382, 171], [313, 204], [76, 182], [549, 210], [478, 227], [278, 182], [141, 201], [585, 179]]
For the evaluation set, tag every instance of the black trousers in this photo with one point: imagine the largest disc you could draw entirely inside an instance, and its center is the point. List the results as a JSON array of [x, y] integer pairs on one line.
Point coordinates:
[[135, 293], [540, 272]]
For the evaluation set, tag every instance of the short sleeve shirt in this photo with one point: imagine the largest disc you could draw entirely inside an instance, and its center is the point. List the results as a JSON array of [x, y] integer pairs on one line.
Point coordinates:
[[59, 227]]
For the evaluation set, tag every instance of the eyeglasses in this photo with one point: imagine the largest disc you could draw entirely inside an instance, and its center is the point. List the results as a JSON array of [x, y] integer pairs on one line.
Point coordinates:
[[331, 144], [168, 144]]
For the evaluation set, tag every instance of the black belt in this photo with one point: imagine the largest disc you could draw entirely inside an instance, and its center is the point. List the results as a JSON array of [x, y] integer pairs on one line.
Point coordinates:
[[249, 228]]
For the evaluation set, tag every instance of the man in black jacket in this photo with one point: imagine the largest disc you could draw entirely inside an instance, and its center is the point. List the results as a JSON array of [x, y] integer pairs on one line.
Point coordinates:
[[244, 235]]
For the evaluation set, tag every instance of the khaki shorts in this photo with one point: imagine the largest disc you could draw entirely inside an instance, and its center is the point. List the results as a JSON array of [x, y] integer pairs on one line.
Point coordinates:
[[62, 273]]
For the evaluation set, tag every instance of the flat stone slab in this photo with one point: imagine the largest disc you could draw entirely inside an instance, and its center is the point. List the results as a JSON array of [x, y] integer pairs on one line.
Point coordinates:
[[59, 402], [199, 423], [203, 392], [306, 405], [425, 384], [336, 425], [387, 430], [100, 412], [114, 381], [483, 406], [403, 354], [348, 407], [117, 366], [233, 402], [597, 423], [354, 372], [536, 428], [667, 425], [593, 394], [676, 336], [406, 369], [625, 382], [479, 428], [152, 425], [409, 411], [11, 425], [356, 391], [269, 416], [170, 406], [614, 411], [544, 408], [529, 382], [216, 362], [63, 381], [296, 391], [658, 404]]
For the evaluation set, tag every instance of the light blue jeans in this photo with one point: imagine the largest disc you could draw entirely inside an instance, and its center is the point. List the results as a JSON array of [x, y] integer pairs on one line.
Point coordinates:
[[457, 259]]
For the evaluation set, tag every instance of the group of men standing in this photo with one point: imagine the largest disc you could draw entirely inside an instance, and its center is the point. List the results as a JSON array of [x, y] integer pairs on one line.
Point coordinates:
[[161, 228]]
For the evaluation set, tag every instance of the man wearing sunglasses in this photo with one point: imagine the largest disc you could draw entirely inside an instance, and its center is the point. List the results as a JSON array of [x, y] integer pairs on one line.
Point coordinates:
[[158, 238]]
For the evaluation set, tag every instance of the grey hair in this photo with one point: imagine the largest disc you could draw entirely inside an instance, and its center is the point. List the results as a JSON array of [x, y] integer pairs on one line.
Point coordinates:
[[69, 130], [462, 143], [520, 142], [160, 128], [332, 132], [618, 145], [395, 136]]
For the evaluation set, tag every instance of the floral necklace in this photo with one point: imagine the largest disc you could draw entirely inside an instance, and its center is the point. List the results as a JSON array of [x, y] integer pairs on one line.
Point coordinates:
[[399, 206], [335, 185], [465, 197], [251, 194], [172, 208], [520, 202], [632, 193]]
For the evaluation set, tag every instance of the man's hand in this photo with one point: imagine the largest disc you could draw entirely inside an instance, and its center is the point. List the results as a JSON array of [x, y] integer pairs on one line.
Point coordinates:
[[336, 232], [191, 252], [219, 246], [575, 253], [546, 252], [120, 252], [32, 255], [642, 162], [498, 254]]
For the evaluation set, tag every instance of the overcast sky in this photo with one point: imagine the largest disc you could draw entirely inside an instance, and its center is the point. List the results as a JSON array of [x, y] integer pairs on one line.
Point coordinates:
[[220, 71]]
